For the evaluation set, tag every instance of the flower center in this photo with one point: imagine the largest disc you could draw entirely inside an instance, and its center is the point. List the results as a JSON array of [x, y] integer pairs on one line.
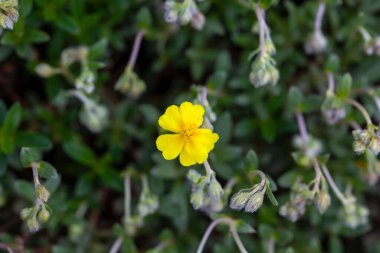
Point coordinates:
[[188, 133]]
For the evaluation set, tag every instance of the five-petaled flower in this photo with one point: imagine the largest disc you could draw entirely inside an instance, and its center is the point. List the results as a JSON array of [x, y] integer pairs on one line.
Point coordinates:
[[189, 141]]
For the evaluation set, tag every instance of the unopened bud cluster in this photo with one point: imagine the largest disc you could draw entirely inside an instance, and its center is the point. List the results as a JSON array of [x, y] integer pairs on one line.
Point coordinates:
[[207, 193], [8, 13], [263, 68], [148, 202], [184, 13], [354, 214], [249, 200], [130, 84], [372, 46], [367, 139], [94, 116]]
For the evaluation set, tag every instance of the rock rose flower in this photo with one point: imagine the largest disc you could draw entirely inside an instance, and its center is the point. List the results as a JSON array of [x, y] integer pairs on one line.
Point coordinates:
[[188, 140]]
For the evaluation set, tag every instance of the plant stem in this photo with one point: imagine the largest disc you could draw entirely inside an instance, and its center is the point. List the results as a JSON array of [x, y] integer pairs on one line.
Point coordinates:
[[362, 110], [209, 171], [36, 181], [260, 14], [116, 245], [203, 96], [333, 185], [331, 82], [302, 129], [6, 247], [319, 17], [233, 231], [365, 34], [135, 49], [271, 245], [127, 199]]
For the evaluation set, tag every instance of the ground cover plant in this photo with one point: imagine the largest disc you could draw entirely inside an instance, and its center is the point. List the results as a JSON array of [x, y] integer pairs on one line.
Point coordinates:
[[189, 126]]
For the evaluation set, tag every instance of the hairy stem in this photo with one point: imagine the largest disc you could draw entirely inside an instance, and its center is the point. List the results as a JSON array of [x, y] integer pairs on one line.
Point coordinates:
[[319, 17], [233, 231], [302, 129], [209, 171], [36, 181], [331, 83], [127, 199], [135, 49], [362, 110], [203, 96], [116, 245], [260, 14], [333, 185], [365, 34]]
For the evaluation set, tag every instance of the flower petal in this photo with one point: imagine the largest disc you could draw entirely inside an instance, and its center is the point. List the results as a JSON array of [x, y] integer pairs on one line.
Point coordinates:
[[171, 119], [192, 115], [196, 150], [170, 145]]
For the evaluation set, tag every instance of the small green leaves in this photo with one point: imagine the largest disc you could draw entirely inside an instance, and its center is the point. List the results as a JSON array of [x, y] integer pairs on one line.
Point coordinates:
[[79, 152], [295, 99], [251, 160], [332, 64], [8, 130], [243, 227], [28, 156], [46, 170], [270, 194], [265, 4], [344, 87]]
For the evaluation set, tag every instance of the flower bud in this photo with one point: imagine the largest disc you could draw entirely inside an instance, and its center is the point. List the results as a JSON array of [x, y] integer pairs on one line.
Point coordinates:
[[215, 189], [316, 43], [239, 200], [42, 193], [255, 202], [45, 70], [323, 201], [198, 20], [25, 213], [94, 117], [130, 84], [374, 145], [43, 215], [197, 198], [32, 224], [359, 147], [193, 176]]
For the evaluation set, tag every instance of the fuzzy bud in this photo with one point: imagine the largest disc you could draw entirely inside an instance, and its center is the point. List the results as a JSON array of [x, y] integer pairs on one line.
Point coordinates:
[[25, 213], [32, 224], [43, 215], [239, 200], [374, 145], [94, 117], [255, 202], [316, 43], [323, 201], [42, 193], [215, 189], [45, 70]]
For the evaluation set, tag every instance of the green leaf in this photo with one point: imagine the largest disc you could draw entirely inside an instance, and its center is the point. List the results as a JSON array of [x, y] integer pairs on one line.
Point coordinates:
[[32, 140], [8, 130], [270, 194], [332, 64], [244, 228], [80, 152], [68, 24], [144, 19], [46, 170], [344, 88], [99, 49], [36, 36], [28, 156], [265, 4], [295, 99], [223, 127], [25, 189], [25, 7], [251, 160]]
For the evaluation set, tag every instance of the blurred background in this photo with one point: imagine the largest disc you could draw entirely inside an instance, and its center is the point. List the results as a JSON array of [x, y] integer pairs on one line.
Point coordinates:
[[72, 92]]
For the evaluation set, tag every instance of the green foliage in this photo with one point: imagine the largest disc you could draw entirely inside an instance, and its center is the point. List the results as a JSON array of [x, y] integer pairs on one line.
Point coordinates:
[[72, 106]]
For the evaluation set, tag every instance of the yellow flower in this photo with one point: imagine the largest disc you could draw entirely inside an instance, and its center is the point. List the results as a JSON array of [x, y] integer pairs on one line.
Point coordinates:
[[188, 140]]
